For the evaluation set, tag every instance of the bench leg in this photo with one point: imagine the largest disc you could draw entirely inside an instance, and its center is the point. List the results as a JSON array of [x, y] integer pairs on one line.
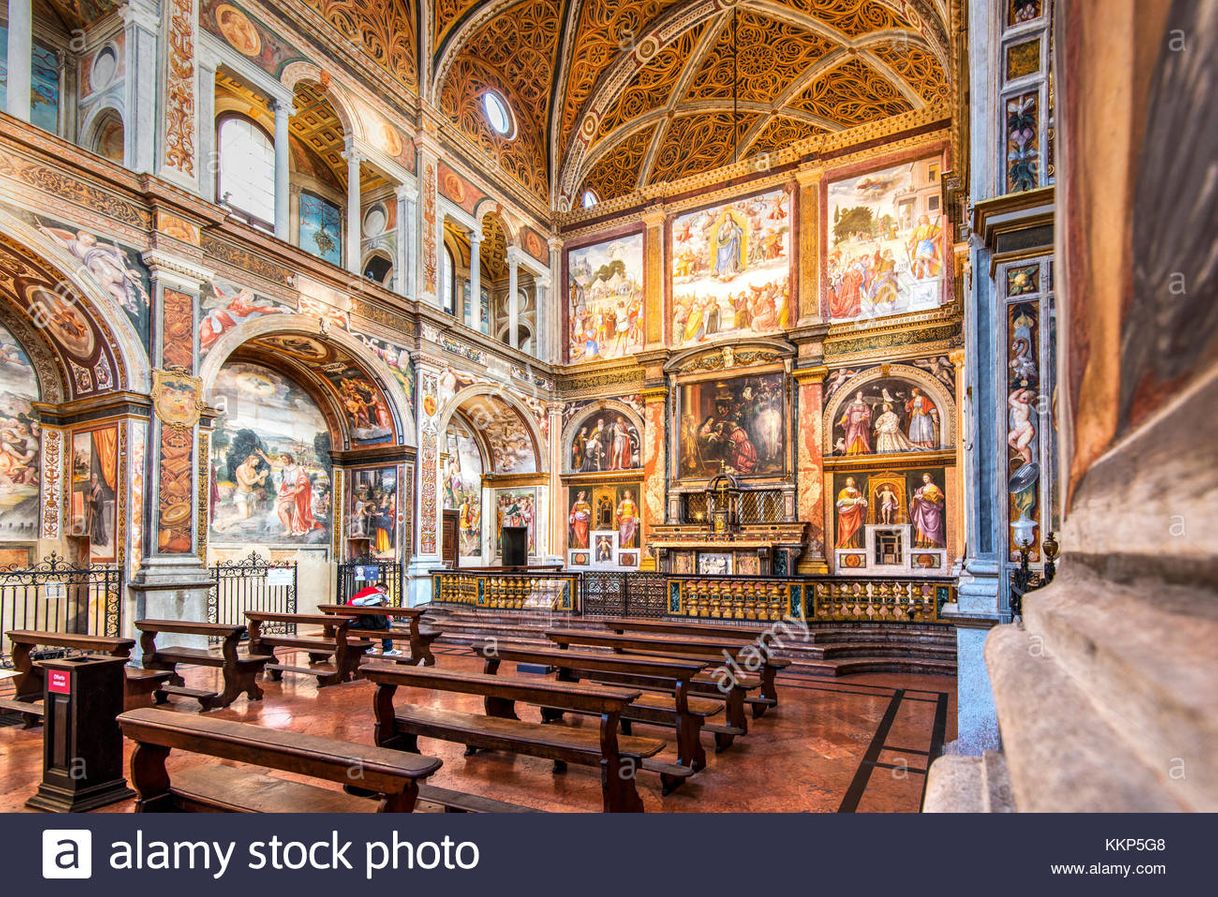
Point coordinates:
[[560, 766], [735, 709], [617, 786], [151, 779], [670, 783], [769, 691], [689, 743], [402, 802], [723, 741], [420, 652], [551, 715]]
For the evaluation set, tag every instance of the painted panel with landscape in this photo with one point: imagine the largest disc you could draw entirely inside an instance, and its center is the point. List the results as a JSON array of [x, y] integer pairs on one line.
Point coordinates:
[[605, 290], [95, 489], [516, 507], [19, 443], [372, 512], [271, 478], [886, 242], [731, 269], [736, 424], [463, 487]]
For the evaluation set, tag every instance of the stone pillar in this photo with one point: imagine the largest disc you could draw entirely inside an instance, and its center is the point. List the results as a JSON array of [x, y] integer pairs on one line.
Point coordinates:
[[557, 313], [427, 529], [176, 95], [541, 341], [172, 582], [405, 277], [283, 171], [429, 204], [141, 24], [20, 58], [653, 277], [809, 466], [558, 500], [513, 297], [807, 250], [655, 468], [207, 128], [475, 280], [353, 208]]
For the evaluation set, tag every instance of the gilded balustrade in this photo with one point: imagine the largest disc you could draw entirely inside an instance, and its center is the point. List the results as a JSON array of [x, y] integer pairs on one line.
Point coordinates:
[[508, 591]]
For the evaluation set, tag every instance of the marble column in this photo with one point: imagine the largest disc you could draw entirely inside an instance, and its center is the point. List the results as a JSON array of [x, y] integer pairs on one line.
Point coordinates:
[[556, 331], [20, 58], [283, 170], [655, 469], [513, 299], [405, 279], [475, 280], [207, 133], [353, 209], [427, 471], [541, 340], [558, 501], [809, 467], [141, 24]]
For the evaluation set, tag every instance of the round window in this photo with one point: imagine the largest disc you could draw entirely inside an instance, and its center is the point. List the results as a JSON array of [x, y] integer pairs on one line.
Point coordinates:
[[498, 113]]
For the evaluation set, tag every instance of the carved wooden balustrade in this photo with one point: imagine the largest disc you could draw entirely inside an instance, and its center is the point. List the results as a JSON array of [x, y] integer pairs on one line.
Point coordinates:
[[549, 591], [879, 600]]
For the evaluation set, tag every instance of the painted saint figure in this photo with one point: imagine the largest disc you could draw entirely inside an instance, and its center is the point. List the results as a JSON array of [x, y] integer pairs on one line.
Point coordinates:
[[926, 513], [729, 258], [627, 521], [923, 420], [580, 520], [294, 500], [888, 434], [851, 505], [856, 420], [95, 518], [889, 505]]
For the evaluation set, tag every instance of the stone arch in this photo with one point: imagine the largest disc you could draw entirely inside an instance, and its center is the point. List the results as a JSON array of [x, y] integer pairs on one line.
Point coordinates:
[[308, 325], [528, 422], [91, 129], [591, 410], [929, 384], [73, 283], [296, 72]]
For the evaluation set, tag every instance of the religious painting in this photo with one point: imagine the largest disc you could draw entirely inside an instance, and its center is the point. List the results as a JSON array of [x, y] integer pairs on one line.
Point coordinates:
[[579, 520], [516, 507], [605, 294], [580, 559], [887, 416], [850, 510], [714, 563], [887, 502], [367, 411], [886, 242], [627, 513], [116, 269], [504, 431], [19, 442], [372, 509], [270, 461], [736, 425], [927, 508], [224, 306], [605, 441], [462, 482], [731, 269], [603, 552], [628, 559], [94, 494], [1023, 424], [321, 228], [44, 86]]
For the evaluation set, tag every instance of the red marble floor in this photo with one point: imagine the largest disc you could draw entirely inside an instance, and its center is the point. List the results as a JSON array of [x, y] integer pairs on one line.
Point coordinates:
[[858, 743]]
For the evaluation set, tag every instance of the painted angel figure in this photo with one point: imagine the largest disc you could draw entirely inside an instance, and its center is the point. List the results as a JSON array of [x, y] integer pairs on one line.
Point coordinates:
[[105, 264]]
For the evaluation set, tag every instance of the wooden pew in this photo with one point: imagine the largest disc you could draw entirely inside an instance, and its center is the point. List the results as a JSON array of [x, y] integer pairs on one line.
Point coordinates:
[[240, 672], [216, 788], [617, 756], [420, 638], [29, 682], [333, 643], [738, 684], [757, 638], [674, 708]]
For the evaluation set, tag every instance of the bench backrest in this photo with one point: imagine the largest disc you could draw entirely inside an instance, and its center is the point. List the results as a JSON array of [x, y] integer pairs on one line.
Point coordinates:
[[190, 627], [648, 643], [695, 630], [96, 644], [261, 616], [587, 698], [373, 768], [383, 610], [587, 661]]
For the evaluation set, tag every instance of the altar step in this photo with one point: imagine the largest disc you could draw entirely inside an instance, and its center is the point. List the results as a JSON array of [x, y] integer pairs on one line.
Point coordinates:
[[832, 649]]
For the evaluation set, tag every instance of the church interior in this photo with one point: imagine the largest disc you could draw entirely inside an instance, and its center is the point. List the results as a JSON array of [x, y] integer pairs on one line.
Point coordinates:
[[777, 399]]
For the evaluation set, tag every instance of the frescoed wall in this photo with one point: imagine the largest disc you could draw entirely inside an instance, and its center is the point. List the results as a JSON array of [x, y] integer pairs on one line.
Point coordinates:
[[271, 474], [886, 245], [887, 415], [604, 525], [321, 228], [94, 490], [516, 507], [731, 269], [224, 306], [462, 486], [19, 443], [736, 423], [373, 515], [605, 299], [606, 440]]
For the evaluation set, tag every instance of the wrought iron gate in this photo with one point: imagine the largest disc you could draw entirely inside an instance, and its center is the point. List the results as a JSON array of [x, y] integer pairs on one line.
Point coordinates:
[[252, 583], [354, 575], [57, 596], [623, 594]]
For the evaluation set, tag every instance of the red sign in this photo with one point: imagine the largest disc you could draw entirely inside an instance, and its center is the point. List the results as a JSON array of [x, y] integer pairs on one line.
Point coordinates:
[[59, 681]]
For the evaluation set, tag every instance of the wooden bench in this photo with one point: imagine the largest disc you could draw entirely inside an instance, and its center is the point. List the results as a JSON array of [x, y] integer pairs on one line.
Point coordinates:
[[500, 729], [420, 638], [216, 788], [760, 639], [733, 687], [29, 683], [240, 673], [334, 655], [665, 703]]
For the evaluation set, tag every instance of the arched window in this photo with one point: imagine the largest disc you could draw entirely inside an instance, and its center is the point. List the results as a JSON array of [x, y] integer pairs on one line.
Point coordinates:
[[246, 179], [590, 199], [448, 292], [378, 267]]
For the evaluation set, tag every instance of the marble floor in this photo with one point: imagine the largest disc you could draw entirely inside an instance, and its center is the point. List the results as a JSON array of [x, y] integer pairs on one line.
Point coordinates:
[[854, 744]]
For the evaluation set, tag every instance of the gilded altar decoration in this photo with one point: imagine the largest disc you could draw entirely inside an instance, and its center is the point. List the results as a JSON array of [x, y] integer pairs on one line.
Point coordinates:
[[177, 398], [180, 76]]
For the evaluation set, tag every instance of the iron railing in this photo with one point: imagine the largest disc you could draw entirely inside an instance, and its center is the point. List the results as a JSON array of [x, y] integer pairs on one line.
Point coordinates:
[[354, 575], [57, 596], [252, 583]]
